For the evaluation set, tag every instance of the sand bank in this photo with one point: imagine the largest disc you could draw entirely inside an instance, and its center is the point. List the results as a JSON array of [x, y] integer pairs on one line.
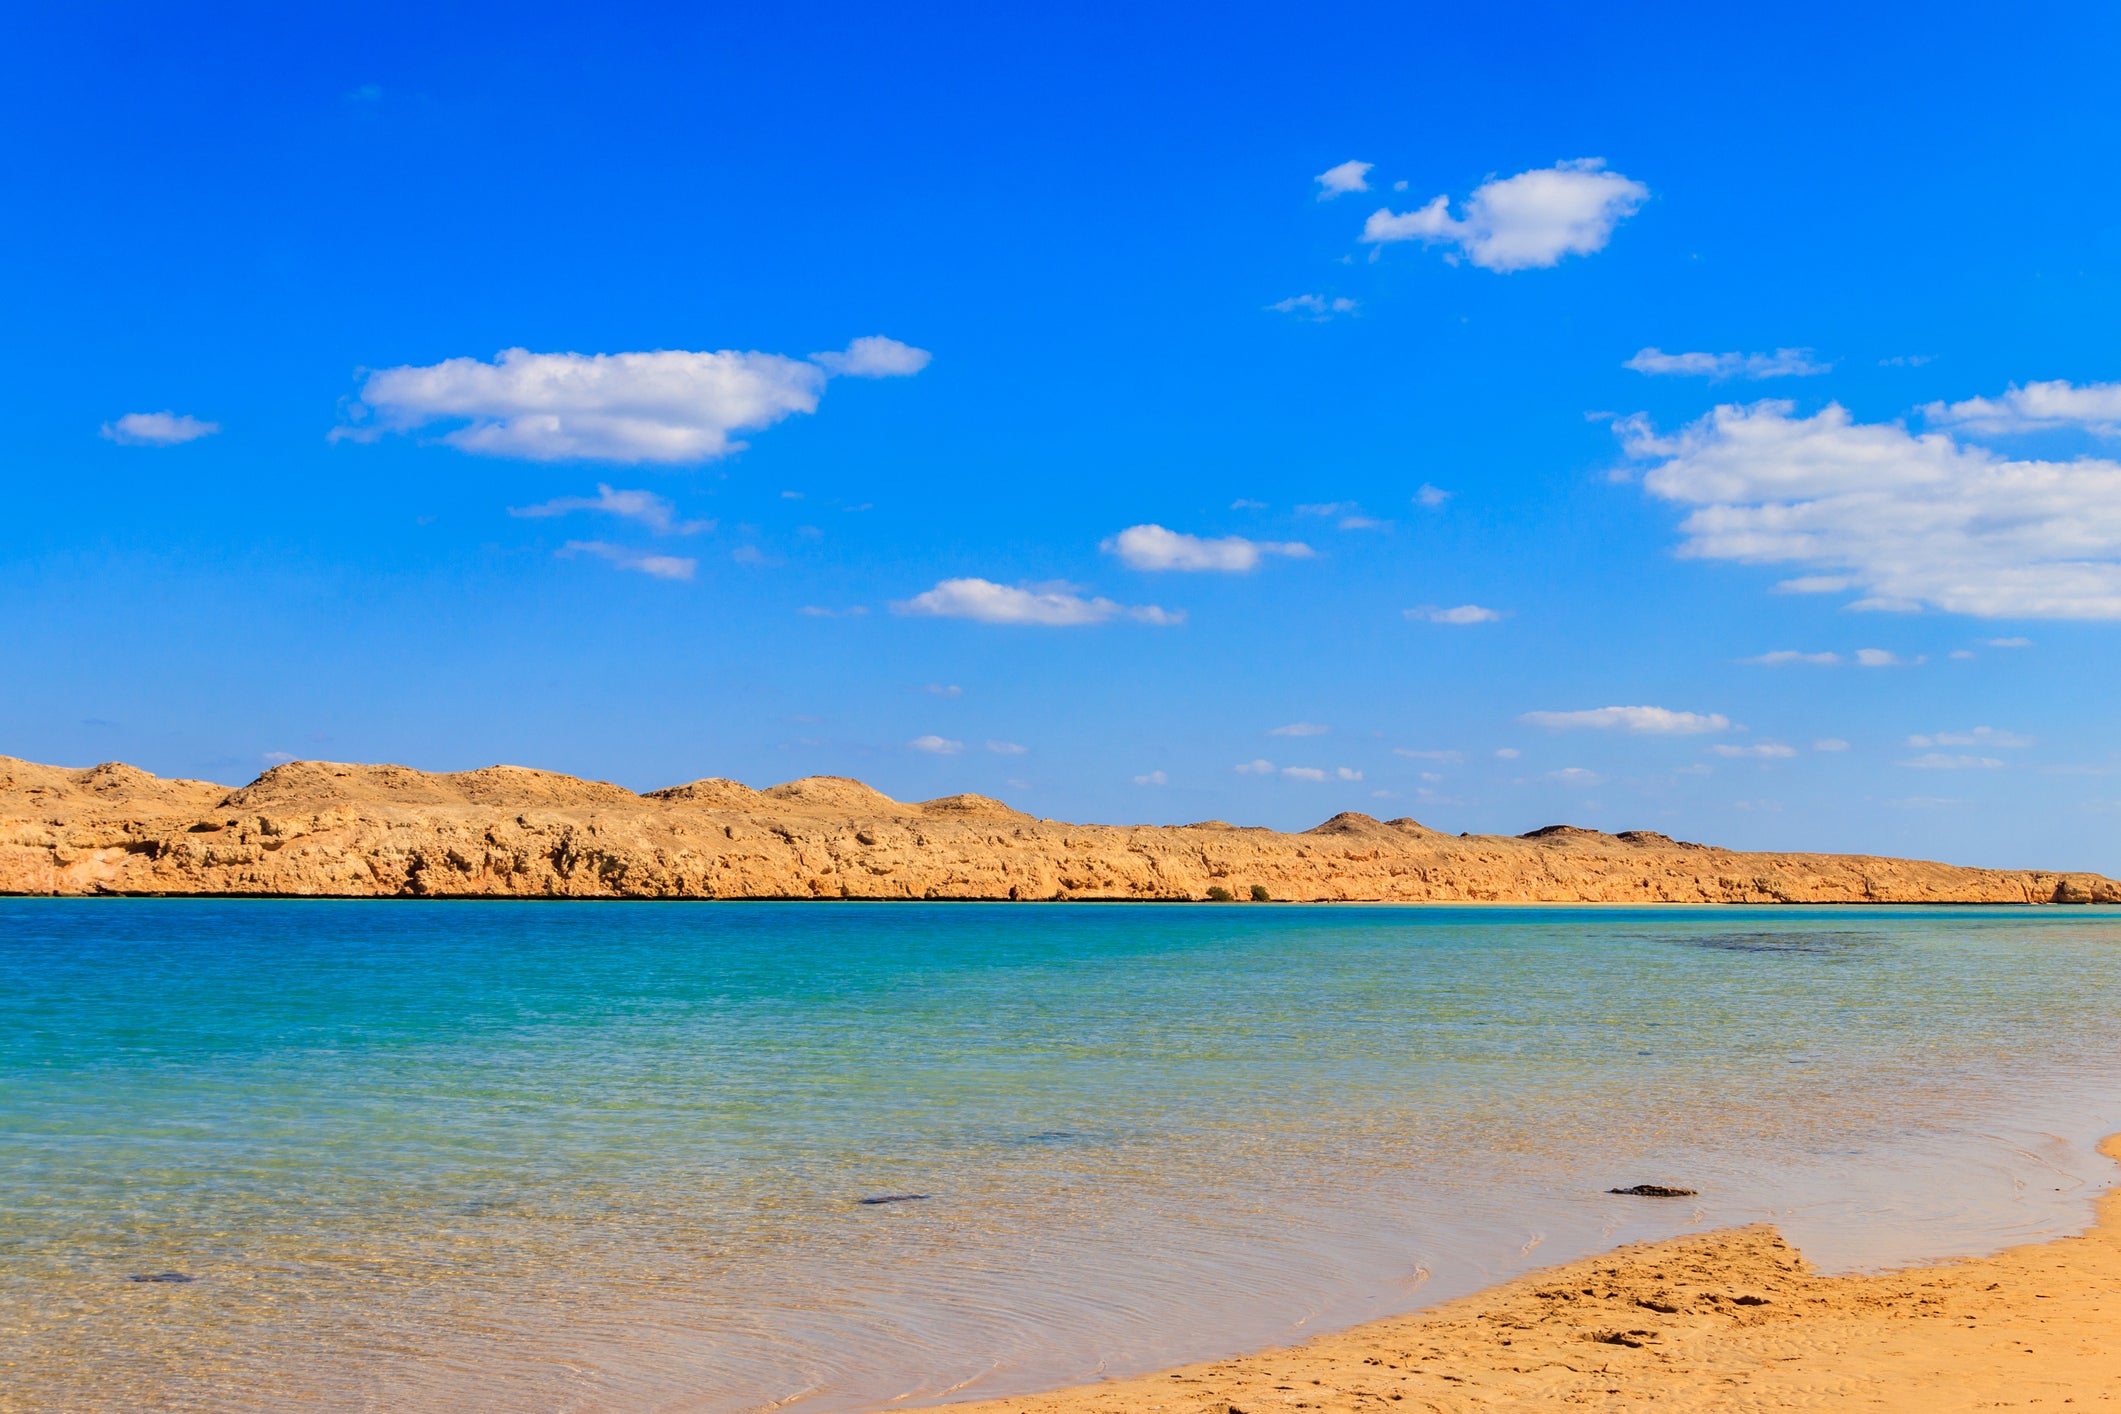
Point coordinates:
[[1732, 1320]]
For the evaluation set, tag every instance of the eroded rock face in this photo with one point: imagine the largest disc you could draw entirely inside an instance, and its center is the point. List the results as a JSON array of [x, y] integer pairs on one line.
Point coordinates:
[[312, 828]]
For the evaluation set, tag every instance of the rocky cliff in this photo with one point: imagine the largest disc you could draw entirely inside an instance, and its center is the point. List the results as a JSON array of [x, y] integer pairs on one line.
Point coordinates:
[[313, 828]]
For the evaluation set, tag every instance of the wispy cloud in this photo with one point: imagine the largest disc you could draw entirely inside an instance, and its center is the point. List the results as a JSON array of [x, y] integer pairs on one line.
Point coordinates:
[[1459, 614], [936, 745], [1151, 547], [1431, 497], [1782, 363], [1830, 743], [984, 601], [1006, 748], [1316, 308], [1575, 776], [1764, 751], [1260, 767], [657, 566], [1152, 778], [1988, 737], [1655, 721], [1315, 773], [1301, 729], [1530, 220], [157, 429], [671, 405], [1784, 657], [1944, 761], [1428, 755], [646, 507]]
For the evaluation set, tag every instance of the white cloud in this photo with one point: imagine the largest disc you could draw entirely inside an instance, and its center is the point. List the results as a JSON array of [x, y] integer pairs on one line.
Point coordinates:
[[940, 689], [649, 509], [1830, 743], [1339, 181], [1659, 721], [936, 745], [660, 566], [1884, 658], [1782, 363], [1575, 776], [1507, 753], [1346, 773], [1316, 308], [1940, 761], [1006, 748], [1909, 520], [874, 356], [1431, 496], [1362, 523], [671, 405], [1314, 773], [984, 601], [1964, 654], [1782, 657], [1517, 223], [1241, 504], [1461, 614], [2008, 642], [1428, 755], [2036, 407], [1261, 767], [1151, 547], [1301, 729], [1154, 778], [1907, 360], [1980, 736], [1765, 751], [157, 429], [1327, 508], [819, 611]]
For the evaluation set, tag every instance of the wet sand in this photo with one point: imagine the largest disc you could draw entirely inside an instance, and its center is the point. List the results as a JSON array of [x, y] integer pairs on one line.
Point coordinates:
[[1732, 1320]]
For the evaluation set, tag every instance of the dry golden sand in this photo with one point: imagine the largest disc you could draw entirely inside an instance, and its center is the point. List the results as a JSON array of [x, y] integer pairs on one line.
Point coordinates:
[[1730, 1320]]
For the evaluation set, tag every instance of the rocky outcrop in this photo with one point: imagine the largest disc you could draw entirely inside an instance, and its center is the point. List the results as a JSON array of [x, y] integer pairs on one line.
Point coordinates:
[[322, 829]]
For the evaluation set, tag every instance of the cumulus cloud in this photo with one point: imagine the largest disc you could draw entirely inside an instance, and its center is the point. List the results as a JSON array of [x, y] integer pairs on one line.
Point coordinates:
[[874, 356], [1339, 181], [157, 429], [2036, 407], [936, 745], [1765, 751], [1518, 223], [1151, 547], [1884, 658], [1782, 363], [649, 509], [984, 601], [671, 405], [659, 566], [1783, 657], [1431, 496], [1261, 767], [1507, 753], [1316, 308], [1461, 614], [1655, 721], [1912, 521], [1301, 729]]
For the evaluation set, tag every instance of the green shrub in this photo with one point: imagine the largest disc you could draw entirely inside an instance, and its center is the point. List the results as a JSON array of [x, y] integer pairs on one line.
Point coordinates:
[[1260, 894], [1218, 894]]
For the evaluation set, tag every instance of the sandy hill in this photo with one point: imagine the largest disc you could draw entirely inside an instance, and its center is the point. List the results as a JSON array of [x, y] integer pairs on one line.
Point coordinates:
[[319, 828]]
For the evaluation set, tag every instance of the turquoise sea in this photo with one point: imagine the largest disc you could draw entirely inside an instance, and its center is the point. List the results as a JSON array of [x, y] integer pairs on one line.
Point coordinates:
[[606, 1156]]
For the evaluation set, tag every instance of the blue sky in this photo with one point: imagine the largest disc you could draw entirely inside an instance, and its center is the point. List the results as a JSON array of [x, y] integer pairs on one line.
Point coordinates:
[[1044, 406]]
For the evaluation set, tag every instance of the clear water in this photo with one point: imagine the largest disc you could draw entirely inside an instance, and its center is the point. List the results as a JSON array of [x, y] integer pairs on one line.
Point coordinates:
[[548, 1156]]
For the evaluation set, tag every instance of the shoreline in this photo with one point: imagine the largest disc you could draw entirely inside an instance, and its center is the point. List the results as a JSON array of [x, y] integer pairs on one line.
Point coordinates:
[[1734, 1318]]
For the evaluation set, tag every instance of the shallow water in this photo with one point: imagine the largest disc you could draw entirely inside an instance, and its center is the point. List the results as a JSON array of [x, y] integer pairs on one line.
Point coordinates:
[[548, 1156]]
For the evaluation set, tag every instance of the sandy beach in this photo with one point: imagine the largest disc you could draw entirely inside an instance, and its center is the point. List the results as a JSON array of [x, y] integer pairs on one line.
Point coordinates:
[[1732, 1320]]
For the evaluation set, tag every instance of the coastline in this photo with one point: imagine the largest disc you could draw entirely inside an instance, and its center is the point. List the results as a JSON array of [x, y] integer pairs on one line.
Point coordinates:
[[1734, 1318]]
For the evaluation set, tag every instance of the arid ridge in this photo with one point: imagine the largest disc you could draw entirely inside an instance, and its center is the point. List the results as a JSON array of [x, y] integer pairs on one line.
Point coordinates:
[[324, 829]]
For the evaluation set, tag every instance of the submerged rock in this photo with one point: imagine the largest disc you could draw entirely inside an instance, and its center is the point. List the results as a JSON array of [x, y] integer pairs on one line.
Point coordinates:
[[1653, 1190], [891, 1198], [160, 1276]]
